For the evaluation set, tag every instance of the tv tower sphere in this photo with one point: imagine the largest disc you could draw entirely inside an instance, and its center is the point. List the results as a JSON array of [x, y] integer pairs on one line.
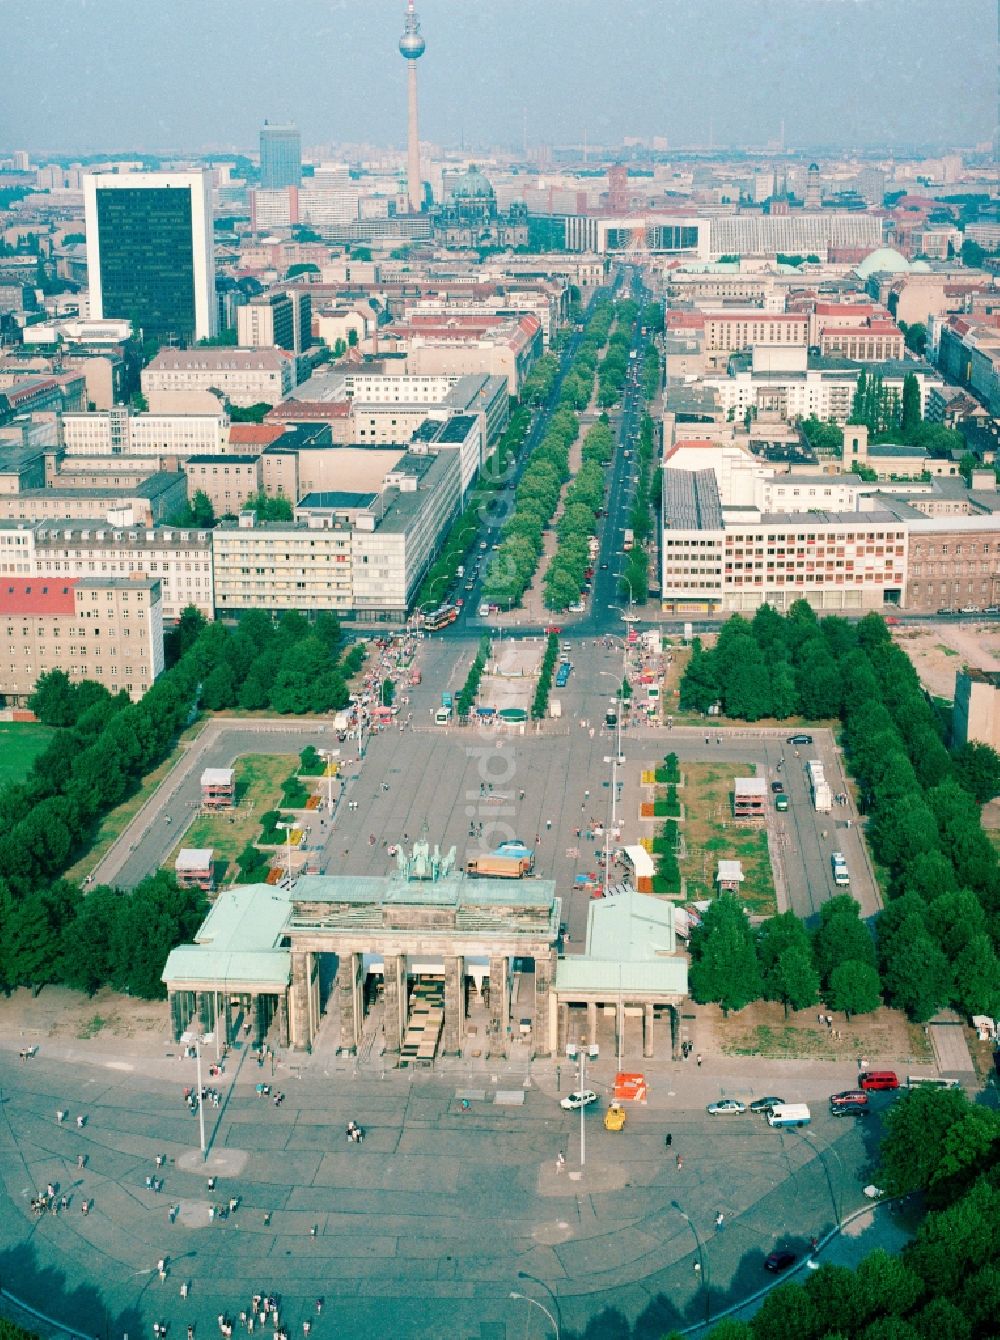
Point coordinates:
[[411, 44]]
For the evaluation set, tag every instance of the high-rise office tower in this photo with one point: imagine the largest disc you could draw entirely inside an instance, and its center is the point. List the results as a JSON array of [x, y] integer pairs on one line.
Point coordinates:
[[814, 188], [411, 47], [149, 252], [280, 157]]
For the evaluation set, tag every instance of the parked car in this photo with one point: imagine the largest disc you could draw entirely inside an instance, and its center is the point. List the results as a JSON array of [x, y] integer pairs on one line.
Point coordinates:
[[992, 609], [724, 1106], [799, 739], [777, 787], [762, 1104], [945, 610], [779, 1261], [969, 609], [849, 1109], [849, 1096], [878, 1079], [574, 1101]]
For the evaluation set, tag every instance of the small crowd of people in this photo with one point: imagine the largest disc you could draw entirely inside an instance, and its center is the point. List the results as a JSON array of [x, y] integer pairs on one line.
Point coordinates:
[[355, 1133]]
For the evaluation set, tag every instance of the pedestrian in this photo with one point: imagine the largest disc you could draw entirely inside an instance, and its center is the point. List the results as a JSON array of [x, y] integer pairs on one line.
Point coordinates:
[[60, 1117], [306, 1327], [669, 1140], [81, 1160], [161, 1268], [680, 1163], [149, 1182], [184, 1289], [560, 1161], [698, 1059], [719, 1219], [319, 1305], [211, 1183], [814, 1245], [190, 1331]]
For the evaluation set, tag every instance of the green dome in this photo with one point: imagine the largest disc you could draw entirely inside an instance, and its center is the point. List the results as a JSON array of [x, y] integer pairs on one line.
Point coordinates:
[[472, 185], [886, 260]]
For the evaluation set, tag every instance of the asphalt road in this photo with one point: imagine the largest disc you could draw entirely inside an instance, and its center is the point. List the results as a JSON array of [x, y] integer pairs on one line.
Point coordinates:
[[426, 1228]]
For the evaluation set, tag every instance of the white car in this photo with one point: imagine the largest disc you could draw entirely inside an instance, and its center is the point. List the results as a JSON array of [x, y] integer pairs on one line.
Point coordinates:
[[572, 1101], [725, 1105]]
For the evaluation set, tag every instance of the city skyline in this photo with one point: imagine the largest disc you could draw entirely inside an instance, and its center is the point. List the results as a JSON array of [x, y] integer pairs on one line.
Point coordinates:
[[846, 73]]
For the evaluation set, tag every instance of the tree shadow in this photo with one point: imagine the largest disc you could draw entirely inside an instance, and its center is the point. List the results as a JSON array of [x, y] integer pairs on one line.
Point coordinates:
[[26, 1280]]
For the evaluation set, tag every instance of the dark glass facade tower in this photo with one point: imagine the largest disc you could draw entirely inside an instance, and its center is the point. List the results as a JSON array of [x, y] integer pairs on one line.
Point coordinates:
[[280, 157], [147, 260]]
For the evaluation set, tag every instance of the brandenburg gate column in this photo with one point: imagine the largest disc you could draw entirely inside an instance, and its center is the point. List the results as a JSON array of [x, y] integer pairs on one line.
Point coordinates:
[[393, 1007], [454, 1005], [499, 1008], [544, 972], [347, 998]]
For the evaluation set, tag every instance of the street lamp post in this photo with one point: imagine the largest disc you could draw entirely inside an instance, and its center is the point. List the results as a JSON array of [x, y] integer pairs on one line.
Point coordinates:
[[329, 755], [288, 838], [198, 1039], [580, 1054], [541, 1307], [700, 1270]]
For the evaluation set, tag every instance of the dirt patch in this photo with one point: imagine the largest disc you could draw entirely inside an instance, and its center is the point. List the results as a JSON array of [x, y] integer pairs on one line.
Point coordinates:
[[710, 835], [762, 1030], [59, 1013], [939, 651]]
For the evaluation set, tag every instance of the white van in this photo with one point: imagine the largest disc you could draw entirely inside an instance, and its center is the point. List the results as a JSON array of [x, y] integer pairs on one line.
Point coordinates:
[[840, 872], [789, 1114], [442, 716]]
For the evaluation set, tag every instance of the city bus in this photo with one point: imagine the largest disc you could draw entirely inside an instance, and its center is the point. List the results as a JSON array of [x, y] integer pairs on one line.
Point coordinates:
[[440, 618]]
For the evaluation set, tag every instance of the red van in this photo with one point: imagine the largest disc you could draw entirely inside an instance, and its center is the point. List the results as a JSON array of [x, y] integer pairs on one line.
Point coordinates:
[[878, 1079]]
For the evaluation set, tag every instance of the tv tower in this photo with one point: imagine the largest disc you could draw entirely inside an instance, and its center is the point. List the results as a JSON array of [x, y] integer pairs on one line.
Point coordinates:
[[411, 47]]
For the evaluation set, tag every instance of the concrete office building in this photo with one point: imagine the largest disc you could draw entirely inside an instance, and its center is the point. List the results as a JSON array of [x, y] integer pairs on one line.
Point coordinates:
[[120, 432], [281, 319], [793, 384], [242, 376], [104, 629], [280, 157], [228, 481], [150, 256], [743, 235], [150, 501], [714, 563], [362, 552]]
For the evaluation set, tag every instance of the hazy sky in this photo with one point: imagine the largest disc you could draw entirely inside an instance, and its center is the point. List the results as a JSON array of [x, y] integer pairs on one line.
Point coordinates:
[[90, 75]]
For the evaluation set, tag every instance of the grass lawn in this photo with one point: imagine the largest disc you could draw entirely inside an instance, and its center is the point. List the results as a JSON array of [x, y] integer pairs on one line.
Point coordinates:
[[710, 835], [20, 745], [258, 789]]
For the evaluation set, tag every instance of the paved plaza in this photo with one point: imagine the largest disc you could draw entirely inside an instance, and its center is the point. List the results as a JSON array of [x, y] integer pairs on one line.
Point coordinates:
[[428, 1227], [425, 1228]]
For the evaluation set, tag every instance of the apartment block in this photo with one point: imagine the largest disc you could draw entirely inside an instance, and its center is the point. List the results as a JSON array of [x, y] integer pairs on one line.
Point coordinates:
[[179, 558], [104, 629]]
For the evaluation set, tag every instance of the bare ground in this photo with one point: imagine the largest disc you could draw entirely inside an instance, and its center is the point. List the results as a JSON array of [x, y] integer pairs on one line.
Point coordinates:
[[762, 1030], [939, 651]]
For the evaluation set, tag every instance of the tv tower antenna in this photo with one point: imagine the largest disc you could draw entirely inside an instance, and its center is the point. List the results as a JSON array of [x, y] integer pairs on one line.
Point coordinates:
[[411, 47]]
